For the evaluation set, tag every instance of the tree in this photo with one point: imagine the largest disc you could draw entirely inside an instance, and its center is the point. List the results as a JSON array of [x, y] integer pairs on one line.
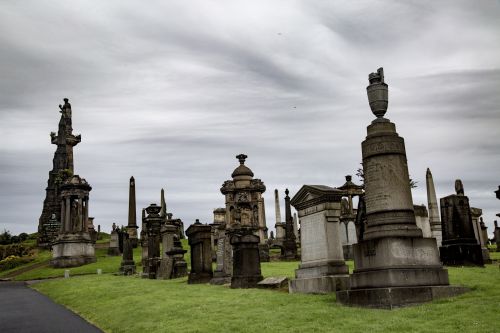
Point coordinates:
[[5, 237]]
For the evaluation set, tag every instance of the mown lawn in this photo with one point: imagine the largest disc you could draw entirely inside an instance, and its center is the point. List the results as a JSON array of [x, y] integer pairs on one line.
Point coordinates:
[[131, 304]]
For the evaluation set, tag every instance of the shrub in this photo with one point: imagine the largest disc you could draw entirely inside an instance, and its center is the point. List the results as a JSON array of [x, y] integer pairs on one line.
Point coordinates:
[[13, 261]]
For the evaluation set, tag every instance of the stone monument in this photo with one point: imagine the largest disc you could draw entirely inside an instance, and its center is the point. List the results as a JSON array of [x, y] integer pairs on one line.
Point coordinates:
[[277, 242], [49, 223], [289, 243], [393, 264], [459, 245], [201, 248], [144, 242], [434, 220], [478, 233], [246, 257], [127, 266], [422, 220], [296, 228], [496, 234], [153, 223], [245, 204], [348, 215], [132, 219], [73, 246], [114, 242], [322, 267], [224, 262]]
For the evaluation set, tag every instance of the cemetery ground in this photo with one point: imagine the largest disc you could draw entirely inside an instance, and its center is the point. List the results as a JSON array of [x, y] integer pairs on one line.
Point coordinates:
[[131, 304]]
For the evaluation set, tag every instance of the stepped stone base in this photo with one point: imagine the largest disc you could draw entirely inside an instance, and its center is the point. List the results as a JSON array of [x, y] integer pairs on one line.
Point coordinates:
[[390, 298], [72, 250], [319, 285]]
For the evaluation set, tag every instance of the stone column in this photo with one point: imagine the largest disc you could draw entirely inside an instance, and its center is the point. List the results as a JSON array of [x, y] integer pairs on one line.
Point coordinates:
[[496, 233], [432, 204], [295, 226], [277, 206], [132, 218], [393, 253], [67, 218], [63, 213], [289, 244]]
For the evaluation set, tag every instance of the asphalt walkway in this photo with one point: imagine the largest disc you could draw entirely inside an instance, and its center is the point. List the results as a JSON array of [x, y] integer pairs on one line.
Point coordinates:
[[24, 310]]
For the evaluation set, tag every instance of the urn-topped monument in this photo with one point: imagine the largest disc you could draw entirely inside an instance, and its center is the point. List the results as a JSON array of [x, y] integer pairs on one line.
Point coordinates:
[[393, 264]]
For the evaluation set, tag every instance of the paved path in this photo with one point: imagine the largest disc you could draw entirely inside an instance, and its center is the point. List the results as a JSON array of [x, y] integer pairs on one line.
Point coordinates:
[[24, 310], [26, 269]]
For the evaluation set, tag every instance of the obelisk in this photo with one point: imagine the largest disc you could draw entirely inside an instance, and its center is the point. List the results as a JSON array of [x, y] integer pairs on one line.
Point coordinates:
[[132, 219], [393, 264], [433, 207], [163, 204], [277, 206], [289, 244]]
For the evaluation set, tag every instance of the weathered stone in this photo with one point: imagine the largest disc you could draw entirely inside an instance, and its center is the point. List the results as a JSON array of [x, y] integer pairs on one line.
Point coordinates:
[[392, 260], [246, 258], [127, 266], [318, 208], [199, 238], [289, 243], [422, 220], [172, 263], [153, 222], [496, 234], [132, 219], [224, 264], [459, 245], [434, 220], [348, 216], [273, 282], [114, 246], [244, 201], [73, 246], [49, 223]]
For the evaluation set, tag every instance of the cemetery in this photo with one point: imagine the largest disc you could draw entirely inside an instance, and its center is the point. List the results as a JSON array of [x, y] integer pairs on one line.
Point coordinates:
[[337, 261], [249, 166]]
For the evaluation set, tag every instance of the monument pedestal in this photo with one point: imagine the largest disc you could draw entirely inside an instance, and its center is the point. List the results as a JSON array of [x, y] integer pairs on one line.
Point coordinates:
[[461, 252], [246, 259], [72, 249], [127, 267], [321, 277]]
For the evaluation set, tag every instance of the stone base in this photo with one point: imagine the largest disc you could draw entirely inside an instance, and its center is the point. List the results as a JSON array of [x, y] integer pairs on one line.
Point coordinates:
[[194, 278], [319, 285], [127, 267], [244, 282], [321, 268], [390, 298], [72, 250], [220, 278], [180, 269], [348, 252], [397, 262], [113, 251], [461, 255]]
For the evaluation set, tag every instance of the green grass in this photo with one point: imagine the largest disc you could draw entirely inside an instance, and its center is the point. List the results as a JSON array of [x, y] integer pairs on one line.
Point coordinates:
[[131, 304]]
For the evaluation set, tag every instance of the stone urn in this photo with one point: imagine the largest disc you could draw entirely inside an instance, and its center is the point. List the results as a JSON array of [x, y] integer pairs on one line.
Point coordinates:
[[378, 93]]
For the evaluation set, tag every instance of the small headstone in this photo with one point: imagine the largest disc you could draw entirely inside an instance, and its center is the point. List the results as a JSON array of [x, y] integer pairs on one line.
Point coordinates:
[[99, 271], [274, 282], [66, 273]]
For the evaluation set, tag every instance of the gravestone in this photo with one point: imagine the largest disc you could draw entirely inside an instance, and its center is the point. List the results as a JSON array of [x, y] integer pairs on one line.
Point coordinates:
[[348, 216], [144, 243], [172, 263], [223, 254], [422, 220], [114, 246], [394, 265], [459, 246], [127, 266], [199, 238], [322, 268], [73, 245], [273, 282], [496, 234], [132, 219], [153, 223], [434, 219], [289, 243], [246, 258]]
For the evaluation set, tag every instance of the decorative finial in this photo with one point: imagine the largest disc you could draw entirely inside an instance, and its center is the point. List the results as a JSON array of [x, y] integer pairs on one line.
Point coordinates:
[[378, 93], [348, 178], [459, 187], [241, 158], [197, 221], [286, 192]]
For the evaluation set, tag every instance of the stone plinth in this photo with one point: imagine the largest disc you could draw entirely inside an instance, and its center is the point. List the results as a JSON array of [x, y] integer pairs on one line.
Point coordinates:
[[127, 266], [391, 252], [72, 250], [459, 245], [322, 268], [246, 258], [199, 238]]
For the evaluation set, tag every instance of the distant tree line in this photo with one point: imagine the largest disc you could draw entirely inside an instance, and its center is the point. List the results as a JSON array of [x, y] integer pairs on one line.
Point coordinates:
[[7, 238]]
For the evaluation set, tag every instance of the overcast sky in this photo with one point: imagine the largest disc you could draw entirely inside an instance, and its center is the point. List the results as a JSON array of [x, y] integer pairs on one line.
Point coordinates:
[[171, 91]]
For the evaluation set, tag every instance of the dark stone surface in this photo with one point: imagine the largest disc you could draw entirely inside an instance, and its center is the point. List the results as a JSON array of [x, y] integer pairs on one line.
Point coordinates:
[[153, 223], [24, 310], [246, 259], [199, 238], [390, 298], [127, 266], [62, 169], [290, 242], [459, 244]]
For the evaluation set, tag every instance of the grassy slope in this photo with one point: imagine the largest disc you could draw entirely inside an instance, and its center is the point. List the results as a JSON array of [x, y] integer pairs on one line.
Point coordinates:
[[128, 304]]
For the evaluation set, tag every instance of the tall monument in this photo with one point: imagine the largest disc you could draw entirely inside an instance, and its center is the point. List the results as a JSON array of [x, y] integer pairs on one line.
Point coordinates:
[[433, 207], [289, 243], [393, 264], [62, 169], [132, 218]]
